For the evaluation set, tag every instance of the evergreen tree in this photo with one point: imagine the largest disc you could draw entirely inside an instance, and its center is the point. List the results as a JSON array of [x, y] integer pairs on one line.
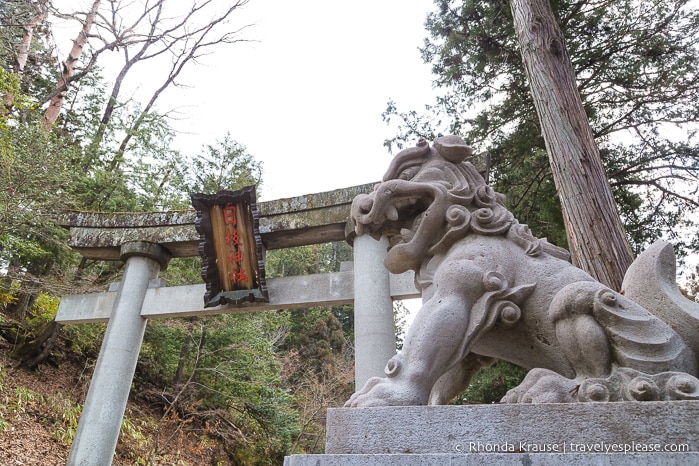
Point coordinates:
[[319, 362], [636, 64]]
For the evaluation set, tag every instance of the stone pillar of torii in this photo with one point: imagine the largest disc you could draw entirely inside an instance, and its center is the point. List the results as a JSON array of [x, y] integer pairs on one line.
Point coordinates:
[[147, 241], [100, 420]]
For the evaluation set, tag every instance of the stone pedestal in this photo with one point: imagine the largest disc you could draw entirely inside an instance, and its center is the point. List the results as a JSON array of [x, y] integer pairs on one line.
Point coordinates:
[[623, 433]]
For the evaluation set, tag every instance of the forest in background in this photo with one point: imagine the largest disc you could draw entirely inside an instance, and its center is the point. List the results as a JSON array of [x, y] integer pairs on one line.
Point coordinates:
[[256, 386]]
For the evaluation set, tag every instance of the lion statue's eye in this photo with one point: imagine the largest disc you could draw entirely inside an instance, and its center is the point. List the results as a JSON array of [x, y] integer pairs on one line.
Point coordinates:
[[408, 173]]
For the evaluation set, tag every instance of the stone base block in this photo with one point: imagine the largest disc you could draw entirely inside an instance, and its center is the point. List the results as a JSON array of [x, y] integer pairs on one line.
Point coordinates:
[[544, 434], [496, 459]]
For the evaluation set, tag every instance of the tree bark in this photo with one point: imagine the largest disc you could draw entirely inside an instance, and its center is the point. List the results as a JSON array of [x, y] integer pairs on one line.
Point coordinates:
[[33, 352], [595, 233], [42, 13], [21, 307], [61, 90]]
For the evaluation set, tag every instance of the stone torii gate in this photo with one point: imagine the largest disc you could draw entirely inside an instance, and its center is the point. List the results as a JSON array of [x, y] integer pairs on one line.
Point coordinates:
[[147, 241]]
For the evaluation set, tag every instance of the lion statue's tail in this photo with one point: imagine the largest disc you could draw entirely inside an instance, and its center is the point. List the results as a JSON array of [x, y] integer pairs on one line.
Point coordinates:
[[650, 282]]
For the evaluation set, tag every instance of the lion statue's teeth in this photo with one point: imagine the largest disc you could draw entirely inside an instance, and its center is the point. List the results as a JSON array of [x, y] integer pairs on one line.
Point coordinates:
[[392, 213]]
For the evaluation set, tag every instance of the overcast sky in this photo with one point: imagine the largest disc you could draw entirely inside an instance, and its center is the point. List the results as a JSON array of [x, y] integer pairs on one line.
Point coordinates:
[[307, 98], [305, 95]]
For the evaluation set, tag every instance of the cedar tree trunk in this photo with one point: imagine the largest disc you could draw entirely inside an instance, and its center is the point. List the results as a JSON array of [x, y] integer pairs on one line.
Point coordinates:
[[596, 235]]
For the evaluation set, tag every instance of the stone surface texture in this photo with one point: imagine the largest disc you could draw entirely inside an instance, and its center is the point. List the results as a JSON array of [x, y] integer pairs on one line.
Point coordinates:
[[496, 459], [490, 289], [100, 421], [624, 433], [451, 429], [292, 292]]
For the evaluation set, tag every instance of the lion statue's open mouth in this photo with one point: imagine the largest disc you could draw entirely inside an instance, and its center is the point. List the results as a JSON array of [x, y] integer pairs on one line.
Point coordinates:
[[407, 214], [403, 217], [425, 195]]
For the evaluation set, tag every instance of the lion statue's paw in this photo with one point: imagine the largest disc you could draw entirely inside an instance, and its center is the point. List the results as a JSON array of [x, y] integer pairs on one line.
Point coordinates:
[[543, 386], [622, 384], [379, 391]]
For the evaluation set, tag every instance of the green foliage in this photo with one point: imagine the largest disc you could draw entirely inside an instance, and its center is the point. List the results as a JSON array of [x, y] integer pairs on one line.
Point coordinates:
[[9, 85], [14, 16], [400, 316], [304, 260], [6, 299], [34, 175], [165, 344], [317, 337], [65, 414], [637, 65], [61, 413], [84, 340], [44, 309], [223, 165], [134, 444], [223, 372], [322, 322], [183, 271], [219, 377], [490, 384], [318, 364], [229, 386], [24, 398]]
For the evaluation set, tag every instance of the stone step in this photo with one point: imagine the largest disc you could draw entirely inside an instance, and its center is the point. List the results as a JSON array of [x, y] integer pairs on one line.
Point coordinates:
[[620, 433], [497, 459]]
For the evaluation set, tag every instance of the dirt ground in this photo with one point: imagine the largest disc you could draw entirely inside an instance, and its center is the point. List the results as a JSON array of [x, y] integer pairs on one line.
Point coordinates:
[[38, 409]]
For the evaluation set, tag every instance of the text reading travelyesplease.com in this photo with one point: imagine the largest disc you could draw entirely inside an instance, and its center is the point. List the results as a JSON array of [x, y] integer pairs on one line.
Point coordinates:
[[569, 447]]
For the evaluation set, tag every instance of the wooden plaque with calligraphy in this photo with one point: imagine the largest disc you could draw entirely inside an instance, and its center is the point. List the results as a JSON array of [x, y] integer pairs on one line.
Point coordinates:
[[231, 247]]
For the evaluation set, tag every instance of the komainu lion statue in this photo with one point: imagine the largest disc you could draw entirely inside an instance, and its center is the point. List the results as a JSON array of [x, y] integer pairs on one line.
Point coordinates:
[[491, 290]]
